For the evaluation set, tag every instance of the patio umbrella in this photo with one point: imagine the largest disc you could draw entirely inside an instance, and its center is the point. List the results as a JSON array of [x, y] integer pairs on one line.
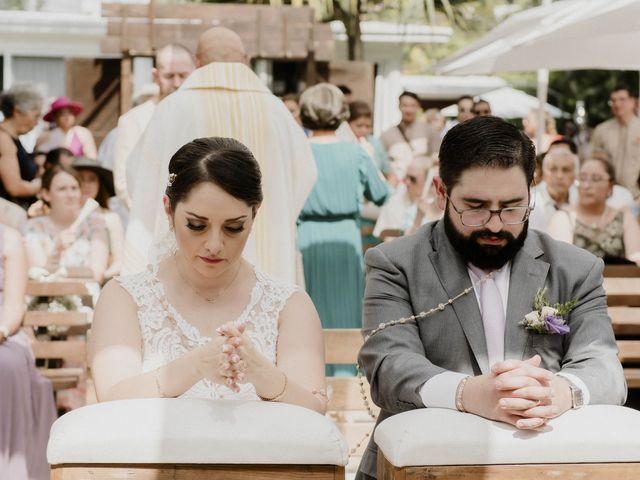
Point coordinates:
[[564, 35], [507, 102]]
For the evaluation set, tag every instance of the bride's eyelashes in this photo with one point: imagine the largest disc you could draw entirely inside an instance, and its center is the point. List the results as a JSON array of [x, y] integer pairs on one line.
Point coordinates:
[[234, 229], [196, 227], [200, 228]]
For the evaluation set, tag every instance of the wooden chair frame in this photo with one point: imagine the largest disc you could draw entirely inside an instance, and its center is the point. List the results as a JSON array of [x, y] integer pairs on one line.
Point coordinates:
[[196, 472], [557, 471], [77, 323]]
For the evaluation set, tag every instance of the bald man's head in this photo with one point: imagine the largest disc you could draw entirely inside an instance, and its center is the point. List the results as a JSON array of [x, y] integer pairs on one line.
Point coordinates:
[[220, 44], [174, 63]]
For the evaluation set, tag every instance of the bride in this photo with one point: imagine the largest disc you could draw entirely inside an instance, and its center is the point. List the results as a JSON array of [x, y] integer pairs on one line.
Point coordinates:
[[201, 321]]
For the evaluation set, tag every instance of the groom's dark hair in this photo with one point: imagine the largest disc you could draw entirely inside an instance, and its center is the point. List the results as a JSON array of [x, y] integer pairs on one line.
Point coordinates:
[[485, 142]]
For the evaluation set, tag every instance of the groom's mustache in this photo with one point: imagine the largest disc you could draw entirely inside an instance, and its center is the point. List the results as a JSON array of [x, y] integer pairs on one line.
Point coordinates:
[[502, 235]]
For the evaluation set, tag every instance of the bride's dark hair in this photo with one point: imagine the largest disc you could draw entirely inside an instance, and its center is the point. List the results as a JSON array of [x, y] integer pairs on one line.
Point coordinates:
[[223, 161]]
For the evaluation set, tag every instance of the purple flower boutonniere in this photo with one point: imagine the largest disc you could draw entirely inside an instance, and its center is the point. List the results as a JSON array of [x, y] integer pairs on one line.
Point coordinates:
[[548, 318]]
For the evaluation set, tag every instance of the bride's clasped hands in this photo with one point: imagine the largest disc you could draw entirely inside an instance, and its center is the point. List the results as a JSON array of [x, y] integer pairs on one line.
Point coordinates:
[[241, 362]]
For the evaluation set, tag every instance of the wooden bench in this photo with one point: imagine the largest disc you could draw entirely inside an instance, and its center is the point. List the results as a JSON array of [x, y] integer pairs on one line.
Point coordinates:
[[622, 271], [625, 321], [47, 347], [626, 326], [390, 233], [622, 291], [70, 344], [346, 405]]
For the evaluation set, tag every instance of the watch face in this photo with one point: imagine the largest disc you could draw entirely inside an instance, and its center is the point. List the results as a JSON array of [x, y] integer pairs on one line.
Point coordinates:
[[577, 399]]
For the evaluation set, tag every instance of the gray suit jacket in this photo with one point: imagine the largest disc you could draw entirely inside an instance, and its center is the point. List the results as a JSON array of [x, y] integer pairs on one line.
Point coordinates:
[[416, 273]]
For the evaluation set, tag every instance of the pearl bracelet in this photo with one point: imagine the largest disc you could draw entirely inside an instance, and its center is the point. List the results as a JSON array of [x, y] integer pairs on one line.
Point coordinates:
[[459, 390]]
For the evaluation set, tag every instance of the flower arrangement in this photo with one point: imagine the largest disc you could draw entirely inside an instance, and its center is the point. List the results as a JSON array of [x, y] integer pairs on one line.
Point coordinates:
[[548, 318], [63, 303]]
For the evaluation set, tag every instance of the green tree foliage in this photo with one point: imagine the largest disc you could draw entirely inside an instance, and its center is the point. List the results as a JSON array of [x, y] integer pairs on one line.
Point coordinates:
[[592, 86]]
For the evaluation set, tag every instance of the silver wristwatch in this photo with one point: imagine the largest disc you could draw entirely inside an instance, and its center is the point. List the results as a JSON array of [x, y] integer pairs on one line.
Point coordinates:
[[577, 397]]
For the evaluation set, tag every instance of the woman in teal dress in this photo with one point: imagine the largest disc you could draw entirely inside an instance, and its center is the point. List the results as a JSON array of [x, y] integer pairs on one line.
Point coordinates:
[[328, 227]]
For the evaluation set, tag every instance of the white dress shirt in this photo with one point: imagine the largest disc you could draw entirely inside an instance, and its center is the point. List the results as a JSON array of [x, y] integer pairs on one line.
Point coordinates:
[[440, 390]]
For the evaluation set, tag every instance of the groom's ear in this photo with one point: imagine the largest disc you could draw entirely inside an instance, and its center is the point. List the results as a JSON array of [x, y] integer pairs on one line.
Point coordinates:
[[441, 191]]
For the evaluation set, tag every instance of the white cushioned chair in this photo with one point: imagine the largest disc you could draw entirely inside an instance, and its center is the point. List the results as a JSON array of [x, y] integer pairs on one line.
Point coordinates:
[[195, 438], [594, 442]]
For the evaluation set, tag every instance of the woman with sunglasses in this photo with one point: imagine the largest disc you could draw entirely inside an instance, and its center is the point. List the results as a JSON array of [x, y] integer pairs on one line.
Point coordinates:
[[610, 233]]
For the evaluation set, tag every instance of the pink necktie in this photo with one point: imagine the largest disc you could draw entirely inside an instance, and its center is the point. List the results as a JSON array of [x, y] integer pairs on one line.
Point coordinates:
[[492, 316]]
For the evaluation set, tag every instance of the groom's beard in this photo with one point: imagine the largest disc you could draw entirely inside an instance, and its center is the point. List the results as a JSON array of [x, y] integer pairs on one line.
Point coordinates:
[[485, 257]]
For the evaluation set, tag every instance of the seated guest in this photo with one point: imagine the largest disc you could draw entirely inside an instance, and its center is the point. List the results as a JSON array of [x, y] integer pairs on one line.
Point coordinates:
[[609, 233], [57, 239], [63, 114], [328, 228], [96, 182], [361, 123], [413, 203], [27, 409], [58, 156], [556, 191], [621, 197], [20, 106], [481, 107], [39, 159], [202, 321], [435, 118], [292, 103], [530, 126]]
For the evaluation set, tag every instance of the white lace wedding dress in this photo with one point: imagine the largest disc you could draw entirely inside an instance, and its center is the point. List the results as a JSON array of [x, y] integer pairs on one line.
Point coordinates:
[[166, 335]]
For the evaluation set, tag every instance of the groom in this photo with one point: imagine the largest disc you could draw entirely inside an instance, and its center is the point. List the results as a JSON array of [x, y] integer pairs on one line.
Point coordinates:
[[474, 355]]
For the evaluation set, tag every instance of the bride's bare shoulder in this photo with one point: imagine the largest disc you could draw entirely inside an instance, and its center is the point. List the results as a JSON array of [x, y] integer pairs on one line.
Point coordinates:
[[115, 295]]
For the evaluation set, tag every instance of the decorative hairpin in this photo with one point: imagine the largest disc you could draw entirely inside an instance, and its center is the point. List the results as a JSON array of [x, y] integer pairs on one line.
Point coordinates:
[[172, 178]]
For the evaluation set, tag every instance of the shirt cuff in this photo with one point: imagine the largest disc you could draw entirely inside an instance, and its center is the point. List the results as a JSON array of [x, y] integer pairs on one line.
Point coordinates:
[[440, 390], [586, 396]]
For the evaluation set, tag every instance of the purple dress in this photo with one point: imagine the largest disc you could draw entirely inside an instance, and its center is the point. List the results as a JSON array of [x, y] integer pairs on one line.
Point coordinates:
[[27, 408]]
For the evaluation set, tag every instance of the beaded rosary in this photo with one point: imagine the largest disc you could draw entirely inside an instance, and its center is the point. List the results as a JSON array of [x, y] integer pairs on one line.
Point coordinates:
[[401, 321]]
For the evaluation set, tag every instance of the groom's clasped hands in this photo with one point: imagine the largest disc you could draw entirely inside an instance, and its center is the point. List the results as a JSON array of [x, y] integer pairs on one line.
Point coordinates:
[[518, 392]]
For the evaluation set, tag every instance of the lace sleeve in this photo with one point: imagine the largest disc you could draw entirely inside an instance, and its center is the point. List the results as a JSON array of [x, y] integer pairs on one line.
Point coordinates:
[[136, 286]]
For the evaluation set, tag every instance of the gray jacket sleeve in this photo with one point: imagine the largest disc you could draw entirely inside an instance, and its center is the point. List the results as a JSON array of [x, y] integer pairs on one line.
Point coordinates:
[[591, 352], [394, 359]]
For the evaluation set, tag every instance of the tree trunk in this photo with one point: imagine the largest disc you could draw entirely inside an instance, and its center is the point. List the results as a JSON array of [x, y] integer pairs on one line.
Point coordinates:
[[351, 20]]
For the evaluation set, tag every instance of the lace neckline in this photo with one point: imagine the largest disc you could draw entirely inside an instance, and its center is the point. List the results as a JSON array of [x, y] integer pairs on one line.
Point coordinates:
[[189, 330]]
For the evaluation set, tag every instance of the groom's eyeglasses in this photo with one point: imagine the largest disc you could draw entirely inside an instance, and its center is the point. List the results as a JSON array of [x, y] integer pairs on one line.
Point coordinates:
[[479, 217]]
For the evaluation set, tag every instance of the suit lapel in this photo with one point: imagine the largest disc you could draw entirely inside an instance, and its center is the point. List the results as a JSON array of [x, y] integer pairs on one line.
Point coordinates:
[[528, 274], [454, 277]]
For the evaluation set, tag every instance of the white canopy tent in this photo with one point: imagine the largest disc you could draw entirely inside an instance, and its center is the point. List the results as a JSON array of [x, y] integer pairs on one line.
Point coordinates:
[[563, 35], [508, 102]]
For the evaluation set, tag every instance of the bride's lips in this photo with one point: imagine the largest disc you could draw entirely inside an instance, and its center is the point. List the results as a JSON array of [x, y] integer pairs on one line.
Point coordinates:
[[211, 260]]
